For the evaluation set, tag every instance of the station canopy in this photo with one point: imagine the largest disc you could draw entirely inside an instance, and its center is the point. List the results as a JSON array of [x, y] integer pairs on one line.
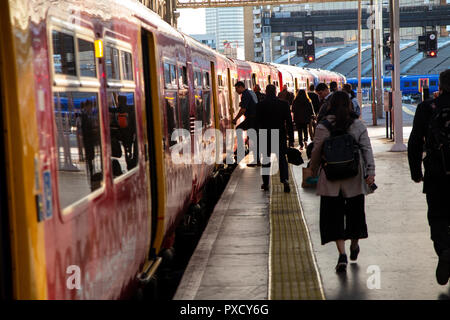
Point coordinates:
[[242, 3]]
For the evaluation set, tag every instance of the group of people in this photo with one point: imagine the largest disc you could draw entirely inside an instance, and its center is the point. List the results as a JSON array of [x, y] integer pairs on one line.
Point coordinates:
[[325, 113]]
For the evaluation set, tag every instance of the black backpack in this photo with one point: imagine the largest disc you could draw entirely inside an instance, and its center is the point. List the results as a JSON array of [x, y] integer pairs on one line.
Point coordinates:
[[439, 127], [340, 154]]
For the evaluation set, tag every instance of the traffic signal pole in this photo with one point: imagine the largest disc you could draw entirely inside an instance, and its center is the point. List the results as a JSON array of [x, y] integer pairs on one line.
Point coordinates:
[[394, 15]]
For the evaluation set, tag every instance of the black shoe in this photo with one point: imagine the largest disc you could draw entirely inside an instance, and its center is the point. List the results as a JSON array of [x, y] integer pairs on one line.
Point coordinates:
[[443, 268], [265, 187], [342, 263], [287, 188], [251, 165], [354, 253]]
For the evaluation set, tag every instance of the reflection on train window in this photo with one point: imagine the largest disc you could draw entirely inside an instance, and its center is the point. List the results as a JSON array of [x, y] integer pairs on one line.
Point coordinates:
[[219, 81], [414, 84], [198, 108], [182, 74], [122, 123], [406, 84], [207, 108], [171, 115], [173, 75], [112, 63], [79, 148], [63, 53], [184, 111], [167, 73], [127, 65], [198, 79], [87, 58], [206, 81]]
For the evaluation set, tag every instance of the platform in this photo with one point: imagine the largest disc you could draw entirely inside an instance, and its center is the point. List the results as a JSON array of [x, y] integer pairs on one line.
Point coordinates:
[[266, 245]]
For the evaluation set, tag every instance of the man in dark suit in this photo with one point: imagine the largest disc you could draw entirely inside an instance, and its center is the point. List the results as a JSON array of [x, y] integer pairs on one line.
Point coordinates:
[[433, 136], [274, 114]]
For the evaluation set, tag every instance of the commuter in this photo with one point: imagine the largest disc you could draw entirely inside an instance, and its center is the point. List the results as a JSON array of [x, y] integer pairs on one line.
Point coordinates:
[[285, 95], [333, 86], [431, 129], [247, 108], [274, 114], [324, 95], [342, 215], [314, 99], [259, 95], [348, 88], [303, 112]]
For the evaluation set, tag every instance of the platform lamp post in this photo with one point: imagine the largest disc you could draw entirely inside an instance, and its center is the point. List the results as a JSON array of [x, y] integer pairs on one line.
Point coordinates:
[[394, 17], [359, 92]]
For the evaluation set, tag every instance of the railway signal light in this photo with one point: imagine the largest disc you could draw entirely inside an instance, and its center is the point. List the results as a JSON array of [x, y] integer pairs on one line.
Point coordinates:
[[432, 41], [432, 53], [309, 49]]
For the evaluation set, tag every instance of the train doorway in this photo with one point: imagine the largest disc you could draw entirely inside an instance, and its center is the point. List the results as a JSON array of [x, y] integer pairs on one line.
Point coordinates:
[[154, 152], [5, 245]]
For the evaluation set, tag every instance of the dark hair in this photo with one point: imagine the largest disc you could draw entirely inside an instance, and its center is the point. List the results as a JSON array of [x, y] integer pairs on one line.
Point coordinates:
[[348, 88], [311, 87], [302, 96], [271, 91], [444, 81], [321, 86], [333, 86], [341, 107], [239, 84]]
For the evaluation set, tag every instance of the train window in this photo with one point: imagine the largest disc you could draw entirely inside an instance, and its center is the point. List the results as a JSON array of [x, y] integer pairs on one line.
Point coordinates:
[[172, 117], [198, 108], [207, 107], [167, 73], [127, 65], [432, 82], [63, 53], [79, 147], [406, 84], [173, 75], [122, 124], [206, 79], [414, 84], [86, 56], [198, 79], [182, 76], [112, 63], [219, 81]]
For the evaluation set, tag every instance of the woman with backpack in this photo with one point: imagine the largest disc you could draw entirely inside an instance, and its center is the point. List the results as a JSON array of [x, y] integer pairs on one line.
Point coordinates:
[[342, 157], [303, 112]]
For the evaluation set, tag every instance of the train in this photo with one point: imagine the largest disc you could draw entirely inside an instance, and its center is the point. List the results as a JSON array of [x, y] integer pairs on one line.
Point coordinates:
[[91, 92], [411, 85]]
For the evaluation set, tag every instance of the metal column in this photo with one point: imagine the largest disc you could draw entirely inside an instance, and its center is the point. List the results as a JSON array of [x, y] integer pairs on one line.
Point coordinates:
[[394, 13], [379, 56], [359, 92]]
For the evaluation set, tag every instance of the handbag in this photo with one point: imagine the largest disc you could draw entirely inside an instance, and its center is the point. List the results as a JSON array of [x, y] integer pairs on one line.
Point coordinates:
[[308, 181], [294, 156]]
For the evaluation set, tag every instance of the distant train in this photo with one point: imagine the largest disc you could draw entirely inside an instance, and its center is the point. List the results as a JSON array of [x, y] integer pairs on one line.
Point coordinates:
[[409, 85], [91, 92]]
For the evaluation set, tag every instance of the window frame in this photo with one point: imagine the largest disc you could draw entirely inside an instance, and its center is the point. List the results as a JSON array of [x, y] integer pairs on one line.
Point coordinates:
[[69, 83], [173, 84], [121, 83]]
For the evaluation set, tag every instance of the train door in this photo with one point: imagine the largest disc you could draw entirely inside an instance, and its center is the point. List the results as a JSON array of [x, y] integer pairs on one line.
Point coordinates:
[[423, 83], [5, 246], [153, 153]]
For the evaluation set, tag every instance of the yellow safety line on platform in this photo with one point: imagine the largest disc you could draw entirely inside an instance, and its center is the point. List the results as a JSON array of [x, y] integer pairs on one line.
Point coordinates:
[[293, 272]]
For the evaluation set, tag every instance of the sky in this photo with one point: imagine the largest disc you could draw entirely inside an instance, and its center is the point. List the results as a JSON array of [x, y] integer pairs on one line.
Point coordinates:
[[192, 21]]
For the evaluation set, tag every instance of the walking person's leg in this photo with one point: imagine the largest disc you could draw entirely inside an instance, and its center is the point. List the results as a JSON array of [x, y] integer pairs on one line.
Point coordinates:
[[305, 134], [439, 221], [356, 227], [300, 137], [332, 226]]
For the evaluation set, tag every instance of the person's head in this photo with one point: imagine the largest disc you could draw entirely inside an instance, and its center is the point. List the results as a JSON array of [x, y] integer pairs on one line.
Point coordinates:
[[444, 81], [302, 96], [322, 90], [257, 88], [348, 88], [341, 106], [311, 87], [333, 86], [271, 91], [239, 86], [284, 87]]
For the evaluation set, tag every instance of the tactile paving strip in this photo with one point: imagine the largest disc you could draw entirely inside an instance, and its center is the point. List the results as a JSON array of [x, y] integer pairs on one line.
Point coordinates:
[[293, 273]]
